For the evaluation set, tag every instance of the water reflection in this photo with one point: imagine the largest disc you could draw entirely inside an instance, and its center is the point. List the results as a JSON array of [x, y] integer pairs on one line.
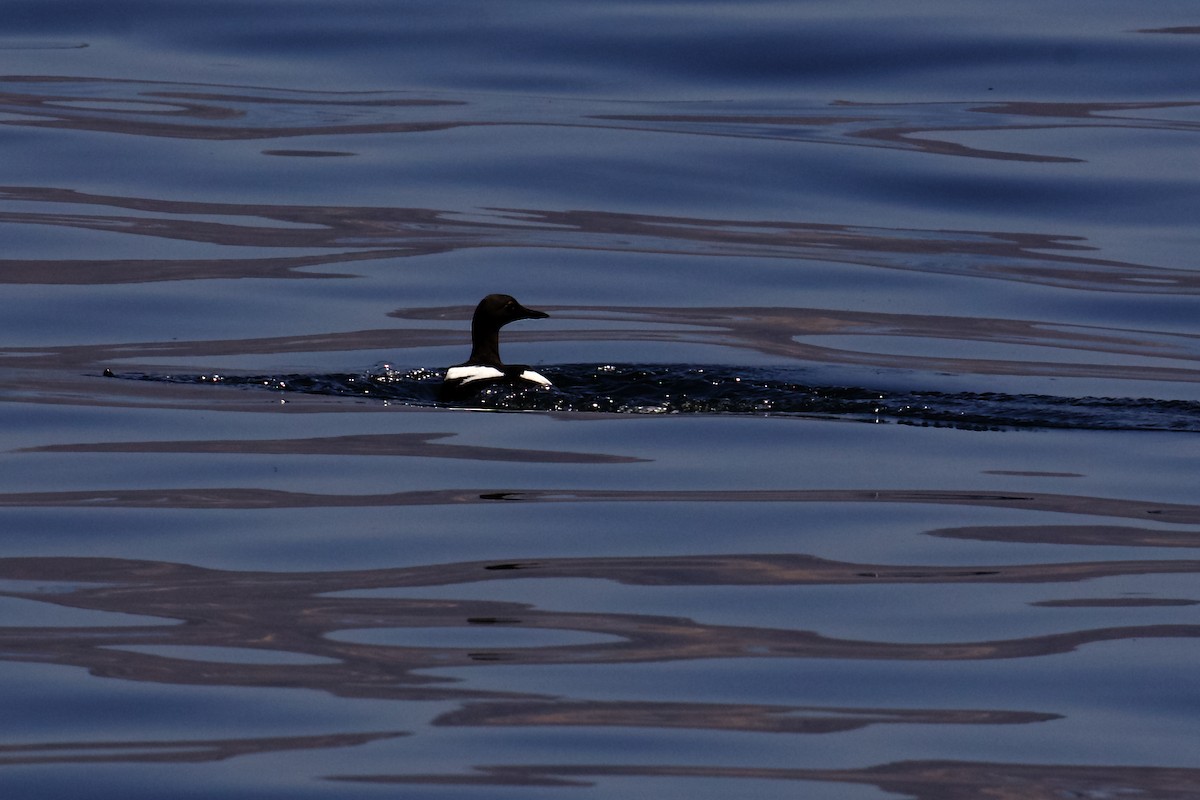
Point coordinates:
[[343, 234], [301, 614], [249, 497], [202, 112]]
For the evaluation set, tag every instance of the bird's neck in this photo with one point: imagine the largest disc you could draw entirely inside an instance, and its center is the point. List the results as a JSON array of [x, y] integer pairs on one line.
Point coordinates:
[[485, 347]]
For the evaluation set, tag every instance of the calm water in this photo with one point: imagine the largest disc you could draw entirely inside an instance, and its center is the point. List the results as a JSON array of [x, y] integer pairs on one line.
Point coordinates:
[[870, 469]]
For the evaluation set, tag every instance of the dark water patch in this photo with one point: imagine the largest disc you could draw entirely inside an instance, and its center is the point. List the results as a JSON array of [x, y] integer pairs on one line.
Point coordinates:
[[398, 444], [1078, 535], [690, 389], [307, 153], [243, 497], [719, 716], [1187, 29], [110, 584], [23, 44], [1115, 602], [177, 751], [924, 780], [1032, 473]]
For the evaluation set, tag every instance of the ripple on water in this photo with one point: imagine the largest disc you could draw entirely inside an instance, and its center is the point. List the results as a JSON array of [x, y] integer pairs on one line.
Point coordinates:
[[692, 389]]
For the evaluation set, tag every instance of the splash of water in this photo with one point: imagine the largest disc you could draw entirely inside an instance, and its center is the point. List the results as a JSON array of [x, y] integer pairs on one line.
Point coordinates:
[[693, 389]]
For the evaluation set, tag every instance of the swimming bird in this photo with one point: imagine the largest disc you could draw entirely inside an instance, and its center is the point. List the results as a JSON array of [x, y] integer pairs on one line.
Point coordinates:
[[484, 367]]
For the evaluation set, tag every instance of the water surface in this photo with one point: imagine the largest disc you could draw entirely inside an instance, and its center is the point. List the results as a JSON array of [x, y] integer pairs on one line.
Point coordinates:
[[870, 467]]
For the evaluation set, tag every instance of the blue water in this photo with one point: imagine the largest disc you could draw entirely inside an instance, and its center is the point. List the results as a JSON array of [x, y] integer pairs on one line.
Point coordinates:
[[870, 466]]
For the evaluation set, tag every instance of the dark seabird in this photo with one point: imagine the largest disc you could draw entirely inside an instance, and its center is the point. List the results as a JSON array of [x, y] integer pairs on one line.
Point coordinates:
[[484, 367]]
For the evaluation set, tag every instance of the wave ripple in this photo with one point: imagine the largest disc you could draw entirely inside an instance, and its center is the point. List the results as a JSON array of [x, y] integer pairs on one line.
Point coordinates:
[[694, 389]]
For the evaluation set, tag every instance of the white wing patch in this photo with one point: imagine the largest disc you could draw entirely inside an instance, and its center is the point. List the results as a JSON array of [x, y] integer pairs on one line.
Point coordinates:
[[471, 374], [465, 375]]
